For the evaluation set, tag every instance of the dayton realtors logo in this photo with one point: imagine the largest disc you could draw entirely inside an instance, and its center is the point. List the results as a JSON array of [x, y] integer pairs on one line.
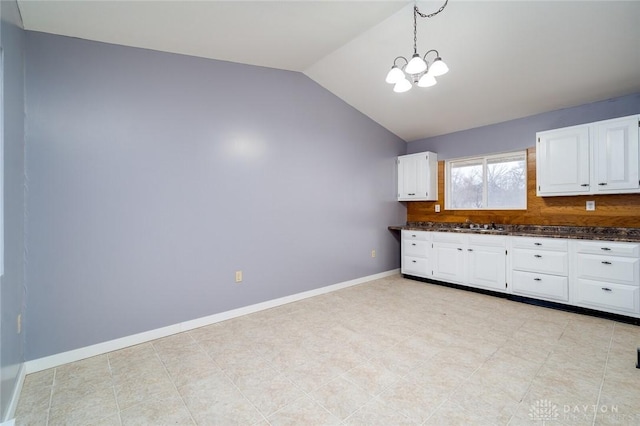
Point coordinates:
[[543, 410]]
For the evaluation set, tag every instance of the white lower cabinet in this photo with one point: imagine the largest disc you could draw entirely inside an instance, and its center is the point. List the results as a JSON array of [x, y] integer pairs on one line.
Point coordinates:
[[607, 276], [487, 262], [540, 268], [448, 257], [470, 259], [600, 275], [416, 250]]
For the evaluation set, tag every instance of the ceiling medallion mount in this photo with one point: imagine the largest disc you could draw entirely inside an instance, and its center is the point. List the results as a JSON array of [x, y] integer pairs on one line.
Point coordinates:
[[417, 70]]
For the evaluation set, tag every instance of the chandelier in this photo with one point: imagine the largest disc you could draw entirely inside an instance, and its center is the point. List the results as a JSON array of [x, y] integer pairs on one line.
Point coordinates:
[[417, 70]]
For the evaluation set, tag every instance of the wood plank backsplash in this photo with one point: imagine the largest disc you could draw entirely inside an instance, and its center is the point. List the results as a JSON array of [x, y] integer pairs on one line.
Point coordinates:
[[611, 210]]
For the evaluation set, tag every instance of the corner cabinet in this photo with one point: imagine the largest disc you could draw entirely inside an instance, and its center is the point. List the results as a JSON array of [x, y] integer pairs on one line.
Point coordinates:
[[416, 250], [595, 158], [418, 177]]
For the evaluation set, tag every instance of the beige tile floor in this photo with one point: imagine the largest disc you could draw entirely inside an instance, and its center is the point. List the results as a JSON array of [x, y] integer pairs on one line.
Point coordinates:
[[388, 352]]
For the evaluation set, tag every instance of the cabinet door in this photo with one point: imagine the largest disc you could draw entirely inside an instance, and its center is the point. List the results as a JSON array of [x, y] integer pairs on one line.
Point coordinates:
[[448, 262], [616, 154], [562, 160], [417, 177], [407, 177], [487, 267]]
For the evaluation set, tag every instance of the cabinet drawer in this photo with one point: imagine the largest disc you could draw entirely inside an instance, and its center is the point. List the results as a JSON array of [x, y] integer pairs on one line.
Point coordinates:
[[416, 248], [540, 243], [414, 235], [487, 240], [547, 262], [448, 237], [541, 285], [416, 266], [623, 270], [608, 248], [608, 296]]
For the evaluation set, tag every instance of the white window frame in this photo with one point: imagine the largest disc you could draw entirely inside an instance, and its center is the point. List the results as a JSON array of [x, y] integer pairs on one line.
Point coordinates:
[[484, 160]]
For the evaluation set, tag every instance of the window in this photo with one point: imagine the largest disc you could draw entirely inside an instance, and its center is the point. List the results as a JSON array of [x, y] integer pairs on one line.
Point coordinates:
[[492, 182]]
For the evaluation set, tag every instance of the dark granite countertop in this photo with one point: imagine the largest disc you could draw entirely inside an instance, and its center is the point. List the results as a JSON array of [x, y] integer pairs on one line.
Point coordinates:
[[573, 232]]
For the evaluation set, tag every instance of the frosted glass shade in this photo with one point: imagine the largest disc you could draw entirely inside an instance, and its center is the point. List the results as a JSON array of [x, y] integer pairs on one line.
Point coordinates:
[[438, 68], [416, 65], [427, 80], [394, 75], [402, 86]]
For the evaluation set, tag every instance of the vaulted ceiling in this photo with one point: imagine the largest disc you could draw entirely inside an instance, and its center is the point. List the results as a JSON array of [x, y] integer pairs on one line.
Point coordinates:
[[507, 59]]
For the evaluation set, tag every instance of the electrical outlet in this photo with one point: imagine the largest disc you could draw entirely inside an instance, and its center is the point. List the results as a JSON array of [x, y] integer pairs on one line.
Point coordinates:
[[19, 321], [373, 253], [238, 276], [437, 208], [591, 206]]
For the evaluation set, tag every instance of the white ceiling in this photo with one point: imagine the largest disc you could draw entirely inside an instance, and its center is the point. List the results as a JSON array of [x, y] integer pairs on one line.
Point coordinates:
[[508, 59]]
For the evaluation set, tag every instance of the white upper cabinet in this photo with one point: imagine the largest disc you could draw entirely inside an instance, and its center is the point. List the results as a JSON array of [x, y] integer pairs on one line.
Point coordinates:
[[418, 177], [562, 159], [594, 158], [616, 154]]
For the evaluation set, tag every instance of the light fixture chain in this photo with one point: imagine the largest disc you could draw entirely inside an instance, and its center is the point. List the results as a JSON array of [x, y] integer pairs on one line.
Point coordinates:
[[416, 12], [415, 30], [431, 15]]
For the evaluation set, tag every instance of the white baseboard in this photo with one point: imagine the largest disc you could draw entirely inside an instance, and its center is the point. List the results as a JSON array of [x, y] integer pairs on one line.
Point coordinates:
[[136, 339], [9, 419]]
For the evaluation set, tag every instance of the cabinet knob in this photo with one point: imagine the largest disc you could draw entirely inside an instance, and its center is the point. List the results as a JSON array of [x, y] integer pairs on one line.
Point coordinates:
[[537, 279], [604, 262], [605, 248], [413, 244], [537, 255], [606, 289], [414, 261], [602, 183]]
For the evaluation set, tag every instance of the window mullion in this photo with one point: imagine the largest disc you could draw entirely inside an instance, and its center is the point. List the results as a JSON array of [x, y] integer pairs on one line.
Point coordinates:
[[485, 187]]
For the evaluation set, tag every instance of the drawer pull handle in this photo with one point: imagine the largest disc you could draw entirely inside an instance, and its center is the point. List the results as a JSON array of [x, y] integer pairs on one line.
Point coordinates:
[[413, 244], [604, 262], [537, 279], [602, 183], [585, 184], [605, 248], [537, 244], [414, 261], [459, 249], [606, 289], [413, 235], [412, 193], [469, 249], [537, 255]]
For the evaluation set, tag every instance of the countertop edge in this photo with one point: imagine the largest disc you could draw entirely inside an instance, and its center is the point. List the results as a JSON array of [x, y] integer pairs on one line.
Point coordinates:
[[631, 235]]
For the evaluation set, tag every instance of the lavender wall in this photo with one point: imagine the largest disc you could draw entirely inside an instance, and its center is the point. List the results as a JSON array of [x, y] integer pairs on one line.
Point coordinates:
[[152, 177], [12, 282], [521, 133]]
